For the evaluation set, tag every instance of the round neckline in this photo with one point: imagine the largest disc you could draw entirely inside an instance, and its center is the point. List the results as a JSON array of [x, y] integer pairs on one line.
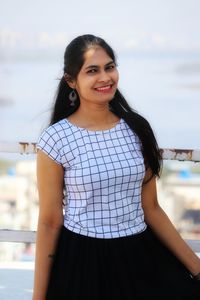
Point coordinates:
[[95, 131]]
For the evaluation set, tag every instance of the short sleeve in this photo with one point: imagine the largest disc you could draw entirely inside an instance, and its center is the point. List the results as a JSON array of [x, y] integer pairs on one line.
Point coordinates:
[[48, 143]]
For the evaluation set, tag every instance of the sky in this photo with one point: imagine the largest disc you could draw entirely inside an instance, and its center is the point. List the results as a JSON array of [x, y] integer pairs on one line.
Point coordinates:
[[40, 30], [131, 24]]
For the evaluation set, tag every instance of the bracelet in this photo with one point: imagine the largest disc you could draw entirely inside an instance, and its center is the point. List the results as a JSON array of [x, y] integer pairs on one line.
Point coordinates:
[[197, 277]]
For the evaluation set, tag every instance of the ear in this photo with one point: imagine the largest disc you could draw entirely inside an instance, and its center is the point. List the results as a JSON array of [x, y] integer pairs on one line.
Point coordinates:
[[69, 81]]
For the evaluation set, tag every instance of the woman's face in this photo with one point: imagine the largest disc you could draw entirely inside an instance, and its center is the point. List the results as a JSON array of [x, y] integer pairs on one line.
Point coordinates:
[[98, 78]]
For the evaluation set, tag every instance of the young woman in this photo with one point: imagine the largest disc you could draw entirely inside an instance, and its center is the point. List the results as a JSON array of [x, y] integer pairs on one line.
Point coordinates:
[[99, 160]]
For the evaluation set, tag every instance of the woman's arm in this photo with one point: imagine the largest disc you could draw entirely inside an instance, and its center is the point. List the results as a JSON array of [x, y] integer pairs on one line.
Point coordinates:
[[156, 218], [50, 188]]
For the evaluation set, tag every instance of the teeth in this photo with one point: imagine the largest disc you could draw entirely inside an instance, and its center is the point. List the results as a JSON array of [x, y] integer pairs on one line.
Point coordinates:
[[104, 88]]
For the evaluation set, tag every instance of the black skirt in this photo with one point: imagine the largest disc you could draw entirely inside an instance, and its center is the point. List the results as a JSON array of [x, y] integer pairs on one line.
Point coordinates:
[[136, 267]]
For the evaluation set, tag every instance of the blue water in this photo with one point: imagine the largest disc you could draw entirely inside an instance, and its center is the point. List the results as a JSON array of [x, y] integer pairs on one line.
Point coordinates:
[[165, 89]]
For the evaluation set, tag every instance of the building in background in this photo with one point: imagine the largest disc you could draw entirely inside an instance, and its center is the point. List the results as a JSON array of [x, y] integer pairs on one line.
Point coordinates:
[[179, 194], [18, 206]]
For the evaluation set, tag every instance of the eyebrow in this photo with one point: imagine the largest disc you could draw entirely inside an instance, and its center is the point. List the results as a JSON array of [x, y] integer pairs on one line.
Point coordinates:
[[95, 66]]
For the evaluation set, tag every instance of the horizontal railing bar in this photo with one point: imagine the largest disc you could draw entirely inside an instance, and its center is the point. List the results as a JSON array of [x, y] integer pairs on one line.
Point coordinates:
[[18, 147], [167, 153], [28, 236], [18, 236], [181, 154]]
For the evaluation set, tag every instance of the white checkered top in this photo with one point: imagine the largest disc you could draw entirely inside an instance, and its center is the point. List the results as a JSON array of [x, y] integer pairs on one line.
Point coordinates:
[[103, 174]]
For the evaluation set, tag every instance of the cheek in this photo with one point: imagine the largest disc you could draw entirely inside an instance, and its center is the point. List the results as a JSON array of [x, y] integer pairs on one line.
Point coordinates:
[[86, 84], [116, 76], [80, 84], [83, 88]]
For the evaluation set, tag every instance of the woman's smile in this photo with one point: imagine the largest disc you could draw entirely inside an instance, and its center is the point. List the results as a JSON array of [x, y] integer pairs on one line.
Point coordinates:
[[104, 89]]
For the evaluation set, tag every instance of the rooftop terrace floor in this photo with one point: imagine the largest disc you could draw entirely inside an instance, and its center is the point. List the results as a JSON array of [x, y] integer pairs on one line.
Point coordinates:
[[16, 280]]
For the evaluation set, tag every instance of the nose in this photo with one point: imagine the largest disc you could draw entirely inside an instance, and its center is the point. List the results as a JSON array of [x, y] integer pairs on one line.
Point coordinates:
[[104, 76]]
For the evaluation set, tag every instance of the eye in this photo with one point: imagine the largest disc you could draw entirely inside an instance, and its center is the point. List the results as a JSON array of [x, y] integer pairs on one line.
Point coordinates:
[[110, 67], [92, 71]]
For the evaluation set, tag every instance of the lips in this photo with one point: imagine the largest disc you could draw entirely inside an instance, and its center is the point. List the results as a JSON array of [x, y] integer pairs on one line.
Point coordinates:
[[104, 89]]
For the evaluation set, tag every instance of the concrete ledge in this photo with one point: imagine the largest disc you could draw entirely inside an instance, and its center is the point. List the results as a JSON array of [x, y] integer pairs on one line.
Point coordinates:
[[18, 236], [26, 236]]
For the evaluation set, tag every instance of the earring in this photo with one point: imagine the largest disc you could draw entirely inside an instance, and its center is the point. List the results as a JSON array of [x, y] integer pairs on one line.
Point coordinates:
[[72, 97]]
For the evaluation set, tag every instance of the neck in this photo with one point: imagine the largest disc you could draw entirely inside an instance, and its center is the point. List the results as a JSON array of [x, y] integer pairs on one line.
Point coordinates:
[[95, 113]]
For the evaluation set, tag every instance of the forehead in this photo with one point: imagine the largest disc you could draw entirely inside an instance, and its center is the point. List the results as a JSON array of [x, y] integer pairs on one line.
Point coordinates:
[[96, 56]]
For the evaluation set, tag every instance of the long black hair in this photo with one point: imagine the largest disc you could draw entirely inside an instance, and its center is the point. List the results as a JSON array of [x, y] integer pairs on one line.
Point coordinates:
[[73, 61]]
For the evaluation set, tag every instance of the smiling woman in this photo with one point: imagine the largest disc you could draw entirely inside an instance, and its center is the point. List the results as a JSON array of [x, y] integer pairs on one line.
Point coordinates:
[[98, 161], [96, 82]]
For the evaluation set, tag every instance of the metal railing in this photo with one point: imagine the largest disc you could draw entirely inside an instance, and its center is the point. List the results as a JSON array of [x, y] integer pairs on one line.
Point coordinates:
[[22, 236], [167, 153]]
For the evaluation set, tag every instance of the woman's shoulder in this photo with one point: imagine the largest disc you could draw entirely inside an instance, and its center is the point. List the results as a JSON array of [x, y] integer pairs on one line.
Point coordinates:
[[57, 131], [57, 127]]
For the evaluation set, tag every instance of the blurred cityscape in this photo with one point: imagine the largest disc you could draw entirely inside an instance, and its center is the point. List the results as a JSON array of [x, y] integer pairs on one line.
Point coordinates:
[[178, 194], [18, 206]]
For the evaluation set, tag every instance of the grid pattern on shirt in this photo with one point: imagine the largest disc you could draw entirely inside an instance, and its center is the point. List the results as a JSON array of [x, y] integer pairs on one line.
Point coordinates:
[[103, 174]]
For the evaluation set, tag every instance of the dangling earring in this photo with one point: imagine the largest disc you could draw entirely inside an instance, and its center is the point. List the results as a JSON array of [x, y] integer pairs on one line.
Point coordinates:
[[72, 97]]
